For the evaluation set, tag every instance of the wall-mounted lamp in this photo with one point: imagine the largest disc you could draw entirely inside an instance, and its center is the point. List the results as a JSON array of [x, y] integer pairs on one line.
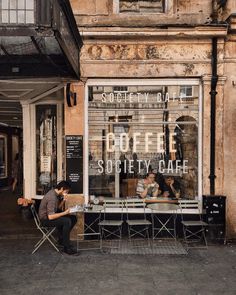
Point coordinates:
[[70, 95]]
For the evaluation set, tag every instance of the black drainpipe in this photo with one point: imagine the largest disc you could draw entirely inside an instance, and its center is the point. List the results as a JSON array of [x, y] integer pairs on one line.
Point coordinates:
[[213, 93]]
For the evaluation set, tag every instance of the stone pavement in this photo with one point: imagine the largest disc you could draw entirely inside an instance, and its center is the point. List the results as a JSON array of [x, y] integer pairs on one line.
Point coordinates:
[[204, 272]]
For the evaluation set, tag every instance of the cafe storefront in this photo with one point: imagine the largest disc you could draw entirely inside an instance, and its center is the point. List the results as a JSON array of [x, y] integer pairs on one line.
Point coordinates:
[[141, 125]]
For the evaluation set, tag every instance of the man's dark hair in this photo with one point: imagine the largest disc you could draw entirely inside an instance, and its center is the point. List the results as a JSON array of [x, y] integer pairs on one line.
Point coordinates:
[[149, 173], [63, 184]]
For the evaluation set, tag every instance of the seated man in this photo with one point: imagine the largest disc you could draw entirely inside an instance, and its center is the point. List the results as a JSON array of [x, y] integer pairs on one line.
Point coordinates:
[[147, 187], [51, 213], [170, 188]]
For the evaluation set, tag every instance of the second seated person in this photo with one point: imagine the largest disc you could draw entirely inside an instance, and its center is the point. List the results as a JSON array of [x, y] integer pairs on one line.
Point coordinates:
[[170, 188], [147, 187]]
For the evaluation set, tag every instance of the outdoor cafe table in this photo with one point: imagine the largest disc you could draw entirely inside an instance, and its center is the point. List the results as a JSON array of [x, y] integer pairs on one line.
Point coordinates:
[[90, 225], [160, 200], [163, 219]]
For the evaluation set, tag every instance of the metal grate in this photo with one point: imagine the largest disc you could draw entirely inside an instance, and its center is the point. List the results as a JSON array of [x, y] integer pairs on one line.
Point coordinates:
[[157, 247]]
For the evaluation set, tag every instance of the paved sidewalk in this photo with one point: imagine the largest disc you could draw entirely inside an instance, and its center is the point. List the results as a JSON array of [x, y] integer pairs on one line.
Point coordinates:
[[206, 272]]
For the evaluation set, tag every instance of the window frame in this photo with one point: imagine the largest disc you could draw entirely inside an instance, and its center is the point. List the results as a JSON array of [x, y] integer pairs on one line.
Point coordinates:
[[25, 10], [145, 82], [4, 136], [168, 9]]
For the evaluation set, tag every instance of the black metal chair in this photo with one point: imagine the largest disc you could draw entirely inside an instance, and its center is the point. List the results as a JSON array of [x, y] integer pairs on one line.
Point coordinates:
[[45, 231], [137, 227], [111, 228], [193, 228]]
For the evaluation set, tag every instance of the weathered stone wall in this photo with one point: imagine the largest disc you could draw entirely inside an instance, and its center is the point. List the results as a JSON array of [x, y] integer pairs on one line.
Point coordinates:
[[92, 12], [74, 116], [128, 46], [230, 134], [166, 58]]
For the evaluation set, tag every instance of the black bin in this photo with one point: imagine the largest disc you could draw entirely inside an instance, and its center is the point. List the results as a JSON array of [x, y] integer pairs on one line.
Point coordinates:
[[214, 208]]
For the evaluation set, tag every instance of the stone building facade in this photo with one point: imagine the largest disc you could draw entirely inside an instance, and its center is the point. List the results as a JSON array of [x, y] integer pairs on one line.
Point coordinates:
[[164, 43]]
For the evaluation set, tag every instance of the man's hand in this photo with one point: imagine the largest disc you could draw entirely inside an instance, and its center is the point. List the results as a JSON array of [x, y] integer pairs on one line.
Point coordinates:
[[58, 215], [67, 211]]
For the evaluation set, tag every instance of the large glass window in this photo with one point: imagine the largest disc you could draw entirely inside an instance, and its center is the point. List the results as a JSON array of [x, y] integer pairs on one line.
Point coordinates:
[[136, 129], [3, 156], [17, 11], [46, 147]]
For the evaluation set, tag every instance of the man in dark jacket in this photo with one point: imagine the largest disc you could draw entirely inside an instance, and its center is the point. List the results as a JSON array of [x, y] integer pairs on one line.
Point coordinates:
[[52, 213]]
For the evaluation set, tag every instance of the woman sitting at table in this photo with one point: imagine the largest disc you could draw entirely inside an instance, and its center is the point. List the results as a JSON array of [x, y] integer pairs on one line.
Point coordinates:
[[147, 187], [170, 188]]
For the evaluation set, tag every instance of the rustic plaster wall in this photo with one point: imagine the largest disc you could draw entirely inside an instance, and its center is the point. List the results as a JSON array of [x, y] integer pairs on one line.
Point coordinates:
[[90, 7], [91, 13], [72, 200], [166, 55], [74, 125], [74, 116], [229, 135], [166, 58]]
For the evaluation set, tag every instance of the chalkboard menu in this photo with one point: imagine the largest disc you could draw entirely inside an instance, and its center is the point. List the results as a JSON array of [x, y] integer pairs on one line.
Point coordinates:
[[74, 162]]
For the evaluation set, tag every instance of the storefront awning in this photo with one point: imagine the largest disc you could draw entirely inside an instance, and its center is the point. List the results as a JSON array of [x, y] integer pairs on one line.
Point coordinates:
[[39, 41]]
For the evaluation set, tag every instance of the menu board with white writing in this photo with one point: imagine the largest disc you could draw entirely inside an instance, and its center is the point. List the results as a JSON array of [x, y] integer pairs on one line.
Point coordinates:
[[74, 162]]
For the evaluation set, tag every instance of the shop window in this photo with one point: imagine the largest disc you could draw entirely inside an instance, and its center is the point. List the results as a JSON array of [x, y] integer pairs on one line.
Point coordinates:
[[17, 11], [138, 129], [46, 147], [3, 156], [186, 91], [186, 94], [141, 6]]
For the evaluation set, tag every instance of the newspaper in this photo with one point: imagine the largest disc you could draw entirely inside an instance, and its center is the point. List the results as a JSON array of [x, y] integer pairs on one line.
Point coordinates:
[[76, 208]]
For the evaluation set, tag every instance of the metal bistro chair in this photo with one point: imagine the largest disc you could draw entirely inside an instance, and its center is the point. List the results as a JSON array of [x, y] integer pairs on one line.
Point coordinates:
[[194, 227], [111, 227], [137, 227], [164, 220], [45, 231]]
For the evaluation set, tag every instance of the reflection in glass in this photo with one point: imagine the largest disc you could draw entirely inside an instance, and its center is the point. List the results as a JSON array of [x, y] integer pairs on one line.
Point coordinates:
[[5, 4], [46, 145], [21, 16], [13, 4], [29, 17], [136, 129], [12, 16], [17, 11], [3, 156]]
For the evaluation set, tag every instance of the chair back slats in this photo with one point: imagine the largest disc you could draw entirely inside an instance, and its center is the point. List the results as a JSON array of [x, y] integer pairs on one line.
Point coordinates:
[[134, 203], [35, 215], [113, 203], [189, 204]]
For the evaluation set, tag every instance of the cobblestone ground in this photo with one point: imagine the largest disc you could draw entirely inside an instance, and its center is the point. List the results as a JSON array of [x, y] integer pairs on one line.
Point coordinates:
[[209, 271]]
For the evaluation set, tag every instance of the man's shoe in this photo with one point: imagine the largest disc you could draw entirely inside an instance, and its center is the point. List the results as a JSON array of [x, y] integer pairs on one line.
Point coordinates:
[[59, 243], [70, 251]]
